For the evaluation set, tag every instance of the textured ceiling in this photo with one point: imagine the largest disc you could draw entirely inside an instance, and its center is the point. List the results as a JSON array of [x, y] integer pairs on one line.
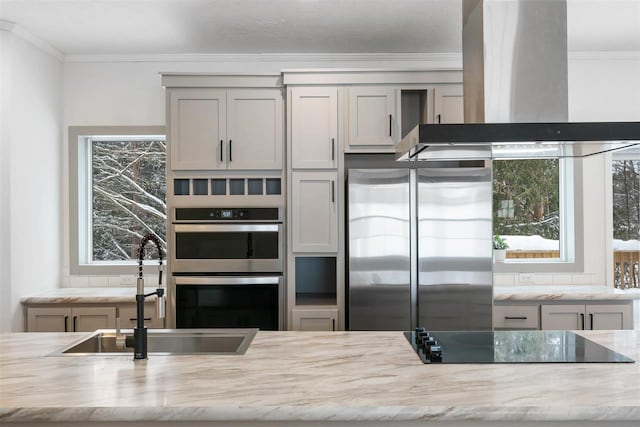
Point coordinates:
[[289, 26]]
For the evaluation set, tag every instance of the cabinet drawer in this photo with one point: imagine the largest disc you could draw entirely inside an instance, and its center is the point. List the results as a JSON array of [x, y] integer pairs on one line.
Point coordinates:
[[516, 317], [128, 316]]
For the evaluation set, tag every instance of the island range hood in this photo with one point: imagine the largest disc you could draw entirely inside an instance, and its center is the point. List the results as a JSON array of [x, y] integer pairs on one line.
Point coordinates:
[[516, 92], [516, 140]]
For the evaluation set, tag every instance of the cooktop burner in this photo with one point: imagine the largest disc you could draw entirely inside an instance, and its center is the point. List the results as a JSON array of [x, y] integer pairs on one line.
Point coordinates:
[[509, 347]]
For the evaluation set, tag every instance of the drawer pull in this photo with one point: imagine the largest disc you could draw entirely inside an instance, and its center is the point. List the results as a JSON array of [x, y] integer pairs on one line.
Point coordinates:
[[515, 317], [133, 319]]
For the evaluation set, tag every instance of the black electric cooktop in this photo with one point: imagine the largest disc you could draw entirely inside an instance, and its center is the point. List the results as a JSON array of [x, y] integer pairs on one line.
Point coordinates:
[[509, 347]]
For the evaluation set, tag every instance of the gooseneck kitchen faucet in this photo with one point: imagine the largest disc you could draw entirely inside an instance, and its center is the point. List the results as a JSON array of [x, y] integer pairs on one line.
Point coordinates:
[[140, 331]]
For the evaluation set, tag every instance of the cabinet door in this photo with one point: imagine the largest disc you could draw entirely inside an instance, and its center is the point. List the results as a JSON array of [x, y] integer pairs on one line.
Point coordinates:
[[88, 319], [128, 319], [371, 118], [314, 320], [45, 319], [562, 316], [254, 129], [448, 104], [609, 316], [197, 134], [314, 127], [315, 211]]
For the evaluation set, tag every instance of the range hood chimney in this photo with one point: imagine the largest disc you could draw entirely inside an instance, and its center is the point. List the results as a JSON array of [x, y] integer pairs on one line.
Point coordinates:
[[515, 76], [514, 56]]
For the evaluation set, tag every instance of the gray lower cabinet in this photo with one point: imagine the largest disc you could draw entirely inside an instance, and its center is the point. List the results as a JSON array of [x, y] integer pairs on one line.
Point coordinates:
[[569, 315], [70, 319], [317, 319], [74, 318], [586, 316]]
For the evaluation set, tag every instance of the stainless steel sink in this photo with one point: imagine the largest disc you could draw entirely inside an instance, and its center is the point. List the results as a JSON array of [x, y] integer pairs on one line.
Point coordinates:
[[166, 342]]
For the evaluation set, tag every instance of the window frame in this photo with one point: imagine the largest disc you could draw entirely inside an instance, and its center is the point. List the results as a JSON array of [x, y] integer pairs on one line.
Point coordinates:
[[79, 198], [571, 228]]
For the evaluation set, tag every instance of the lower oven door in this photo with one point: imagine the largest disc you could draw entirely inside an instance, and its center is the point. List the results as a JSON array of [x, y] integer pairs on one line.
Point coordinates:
[[229, 302]]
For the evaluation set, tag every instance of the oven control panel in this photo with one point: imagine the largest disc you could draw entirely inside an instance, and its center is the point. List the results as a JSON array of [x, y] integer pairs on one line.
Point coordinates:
[[227, 214]]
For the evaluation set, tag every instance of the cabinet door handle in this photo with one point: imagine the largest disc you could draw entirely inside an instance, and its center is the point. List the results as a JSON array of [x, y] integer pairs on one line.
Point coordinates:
[[591, 321], [439, 118], [74, 323], [389, 124], [221, 158], [66, 321], [333, 149], [515, 317], [333, 324], [333, 191], [230, 148], [582, 320]]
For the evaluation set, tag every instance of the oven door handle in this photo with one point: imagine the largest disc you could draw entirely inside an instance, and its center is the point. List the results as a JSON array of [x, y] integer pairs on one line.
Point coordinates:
[[219, 280], [224, 228]]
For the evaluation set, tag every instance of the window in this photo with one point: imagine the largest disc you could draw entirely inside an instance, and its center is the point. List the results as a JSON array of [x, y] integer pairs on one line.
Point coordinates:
[[534, 212], [625, 174], [118, 195]]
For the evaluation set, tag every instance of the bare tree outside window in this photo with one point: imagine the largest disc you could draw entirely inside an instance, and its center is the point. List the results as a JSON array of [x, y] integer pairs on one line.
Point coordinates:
[[128, 196]]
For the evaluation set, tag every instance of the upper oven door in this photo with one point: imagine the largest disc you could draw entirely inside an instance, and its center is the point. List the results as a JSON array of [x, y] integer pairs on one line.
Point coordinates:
[[228, 248]]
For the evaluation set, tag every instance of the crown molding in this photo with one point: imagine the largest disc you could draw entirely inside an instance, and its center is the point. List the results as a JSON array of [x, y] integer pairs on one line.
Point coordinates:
[[19, 31], [451, 59]]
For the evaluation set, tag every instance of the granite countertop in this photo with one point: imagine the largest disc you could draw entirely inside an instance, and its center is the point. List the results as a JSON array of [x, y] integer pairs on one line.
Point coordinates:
[[86, 296], [310, 376], [559, 293]]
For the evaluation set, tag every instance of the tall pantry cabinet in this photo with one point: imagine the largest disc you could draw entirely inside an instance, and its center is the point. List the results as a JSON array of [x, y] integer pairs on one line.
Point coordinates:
[[315, 270]]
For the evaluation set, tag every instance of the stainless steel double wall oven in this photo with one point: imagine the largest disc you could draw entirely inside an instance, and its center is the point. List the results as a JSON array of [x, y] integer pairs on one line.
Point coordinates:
[[227, 266]]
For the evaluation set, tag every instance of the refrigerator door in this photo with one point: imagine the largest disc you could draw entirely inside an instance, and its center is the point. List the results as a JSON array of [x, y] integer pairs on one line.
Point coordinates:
[[379, 249], [455, 279]]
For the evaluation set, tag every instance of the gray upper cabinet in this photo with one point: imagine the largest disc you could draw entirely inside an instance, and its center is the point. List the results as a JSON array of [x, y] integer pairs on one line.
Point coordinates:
[[448, 104], [225, 129], [372, 118], [314, 128], [198, 119]]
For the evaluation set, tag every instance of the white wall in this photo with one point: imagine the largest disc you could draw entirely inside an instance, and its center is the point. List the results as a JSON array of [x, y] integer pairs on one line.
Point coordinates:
[[31, 160], [5, 264], [603, 86]]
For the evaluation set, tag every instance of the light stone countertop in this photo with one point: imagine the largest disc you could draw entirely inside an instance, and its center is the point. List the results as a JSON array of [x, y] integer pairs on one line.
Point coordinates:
[[310, 376], [559, 293], [86, 296], [500, 293]]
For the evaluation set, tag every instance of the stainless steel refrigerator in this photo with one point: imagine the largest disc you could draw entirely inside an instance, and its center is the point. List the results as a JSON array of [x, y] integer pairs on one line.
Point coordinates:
[[419, 245]]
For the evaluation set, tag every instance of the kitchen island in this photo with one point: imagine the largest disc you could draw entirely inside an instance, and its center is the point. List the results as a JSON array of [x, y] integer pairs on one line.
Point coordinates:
[[307, 378]]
